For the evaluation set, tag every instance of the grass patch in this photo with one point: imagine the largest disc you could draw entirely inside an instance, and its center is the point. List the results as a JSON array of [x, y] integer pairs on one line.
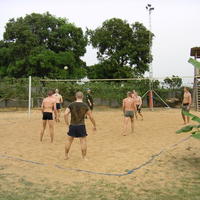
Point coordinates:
[[100, 190], [186, 187]]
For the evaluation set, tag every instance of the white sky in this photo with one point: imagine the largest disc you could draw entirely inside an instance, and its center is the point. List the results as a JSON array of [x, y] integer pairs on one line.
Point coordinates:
[[175, 24]]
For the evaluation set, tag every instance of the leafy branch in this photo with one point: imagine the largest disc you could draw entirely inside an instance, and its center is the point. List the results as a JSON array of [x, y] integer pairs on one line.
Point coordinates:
[[188, 128]]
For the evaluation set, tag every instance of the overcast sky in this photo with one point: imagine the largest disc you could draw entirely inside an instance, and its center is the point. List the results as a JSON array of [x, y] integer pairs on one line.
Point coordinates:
[[175, 24]]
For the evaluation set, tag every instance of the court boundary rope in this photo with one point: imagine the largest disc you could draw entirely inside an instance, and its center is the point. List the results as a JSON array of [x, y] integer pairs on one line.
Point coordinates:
[[150, 160]]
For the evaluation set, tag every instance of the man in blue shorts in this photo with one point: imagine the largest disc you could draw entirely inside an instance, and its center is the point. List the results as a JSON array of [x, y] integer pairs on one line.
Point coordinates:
[[77, 128]]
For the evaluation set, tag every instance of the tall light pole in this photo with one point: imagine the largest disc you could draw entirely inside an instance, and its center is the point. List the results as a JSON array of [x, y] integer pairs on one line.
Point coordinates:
[[149, 8]]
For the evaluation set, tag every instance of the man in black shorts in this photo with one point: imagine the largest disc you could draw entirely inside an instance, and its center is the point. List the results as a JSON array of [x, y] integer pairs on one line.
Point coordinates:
[[89, 99], [48, 106], [77, 128], [59, 101]]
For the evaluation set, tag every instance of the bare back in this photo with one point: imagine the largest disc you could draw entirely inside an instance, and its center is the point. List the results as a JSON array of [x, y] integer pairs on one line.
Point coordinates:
[[58, 98], [128, 104], [138, 100], [48, 104]]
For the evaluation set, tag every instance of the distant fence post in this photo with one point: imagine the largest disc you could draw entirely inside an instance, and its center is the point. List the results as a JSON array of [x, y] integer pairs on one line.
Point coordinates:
[[29, 98]]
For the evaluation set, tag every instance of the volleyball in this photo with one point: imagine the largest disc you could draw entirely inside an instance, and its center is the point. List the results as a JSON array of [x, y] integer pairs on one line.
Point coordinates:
[[65, 67]]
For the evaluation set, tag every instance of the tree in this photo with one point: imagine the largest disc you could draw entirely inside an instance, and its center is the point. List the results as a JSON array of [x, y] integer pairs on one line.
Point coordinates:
[[123, 49], [174, 82], [41, 45]]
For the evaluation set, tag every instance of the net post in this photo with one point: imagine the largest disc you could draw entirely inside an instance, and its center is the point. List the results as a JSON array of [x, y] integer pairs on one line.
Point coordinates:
[[29, 97]]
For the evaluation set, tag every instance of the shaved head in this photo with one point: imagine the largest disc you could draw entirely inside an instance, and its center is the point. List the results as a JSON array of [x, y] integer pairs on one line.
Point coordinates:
[[79, 95], [129, 94], [50, 92]]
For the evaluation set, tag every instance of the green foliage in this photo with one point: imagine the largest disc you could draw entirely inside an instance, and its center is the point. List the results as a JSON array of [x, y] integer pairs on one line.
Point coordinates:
[[196, 133], [194, 62], [174, 82], [105, 92], [41, 45], [185, 129], [123, 49]]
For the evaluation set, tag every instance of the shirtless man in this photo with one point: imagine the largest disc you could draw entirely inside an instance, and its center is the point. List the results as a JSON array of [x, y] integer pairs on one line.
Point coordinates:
[[129, 107], [59, 100], [138, 102], [77, 128], [48, 106], [133, 94], [187, 101]]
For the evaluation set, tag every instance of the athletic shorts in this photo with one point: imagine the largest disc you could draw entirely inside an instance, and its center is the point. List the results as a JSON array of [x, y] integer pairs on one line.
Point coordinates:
[[47, 116], [138, 109], [185, 107], [77, 131], [90, 106], [58, 106], [129, 114]]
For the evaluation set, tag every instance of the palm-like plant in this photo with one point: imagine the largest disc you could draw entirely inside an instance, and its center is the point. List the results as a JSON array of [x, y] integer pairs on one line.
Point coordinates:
[[194, 129]]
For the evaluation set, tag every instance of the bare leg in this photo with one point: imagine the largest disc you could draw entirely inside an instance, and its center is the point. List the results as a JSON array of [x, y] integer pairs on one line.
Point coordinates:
[[136, 115], [59, 113], [44, 124], [184, 119], [83, 147], [51, 129], [188, 119], [67, 146], [132, 124], [141, 115], [125, 125]]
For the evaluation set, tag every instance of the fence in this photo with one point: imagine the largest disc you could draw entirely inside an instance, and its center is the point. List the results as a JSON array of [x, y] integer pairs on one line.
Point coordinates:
[[15, 92]]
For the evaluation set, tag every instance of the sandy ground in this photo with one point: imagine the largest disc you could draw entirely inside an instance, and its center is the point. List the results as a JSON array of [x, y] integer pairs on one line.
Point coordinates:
[[108, 150]]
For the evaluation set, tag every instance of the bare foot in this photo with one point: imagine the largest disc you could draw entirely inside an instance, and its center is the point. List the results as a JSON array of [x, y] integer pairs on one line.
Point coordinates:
[[66, 158], [85, 159]]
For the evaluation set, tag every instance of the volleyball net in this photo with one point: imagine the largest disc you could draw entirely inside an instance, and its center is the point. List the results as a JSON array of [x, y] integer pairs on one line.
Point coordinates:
[[28, 93]]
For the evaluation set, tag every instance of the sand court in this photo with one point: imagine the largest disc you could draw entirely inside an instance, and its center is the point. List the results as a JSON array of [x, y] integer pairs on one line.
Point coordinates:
[[108, 150]]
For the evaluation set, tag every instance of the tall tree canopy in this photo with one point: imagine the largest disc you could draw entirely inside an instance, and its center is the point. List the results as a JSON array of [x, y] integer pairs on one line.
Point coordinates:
[[41, 45], [123, 50], [173, 82]]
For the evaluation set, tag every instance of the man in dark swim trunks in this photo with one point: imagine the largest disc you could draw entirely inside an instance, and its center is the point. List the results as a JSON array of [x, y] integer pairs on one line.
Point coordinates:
[[77, 128], [48, 106], [187, 101], [129, 107], [138, 102], [59, 101]]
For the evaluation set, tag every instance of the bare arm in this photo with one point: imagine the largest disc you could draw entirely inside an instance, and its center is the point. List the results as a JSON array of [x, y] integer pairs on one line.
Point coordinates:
[[55, 110], [89, 114], [42, 107], [123, 106], [140, 102], [66, 115], [190, 99], [61, 99], [135, 107]]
